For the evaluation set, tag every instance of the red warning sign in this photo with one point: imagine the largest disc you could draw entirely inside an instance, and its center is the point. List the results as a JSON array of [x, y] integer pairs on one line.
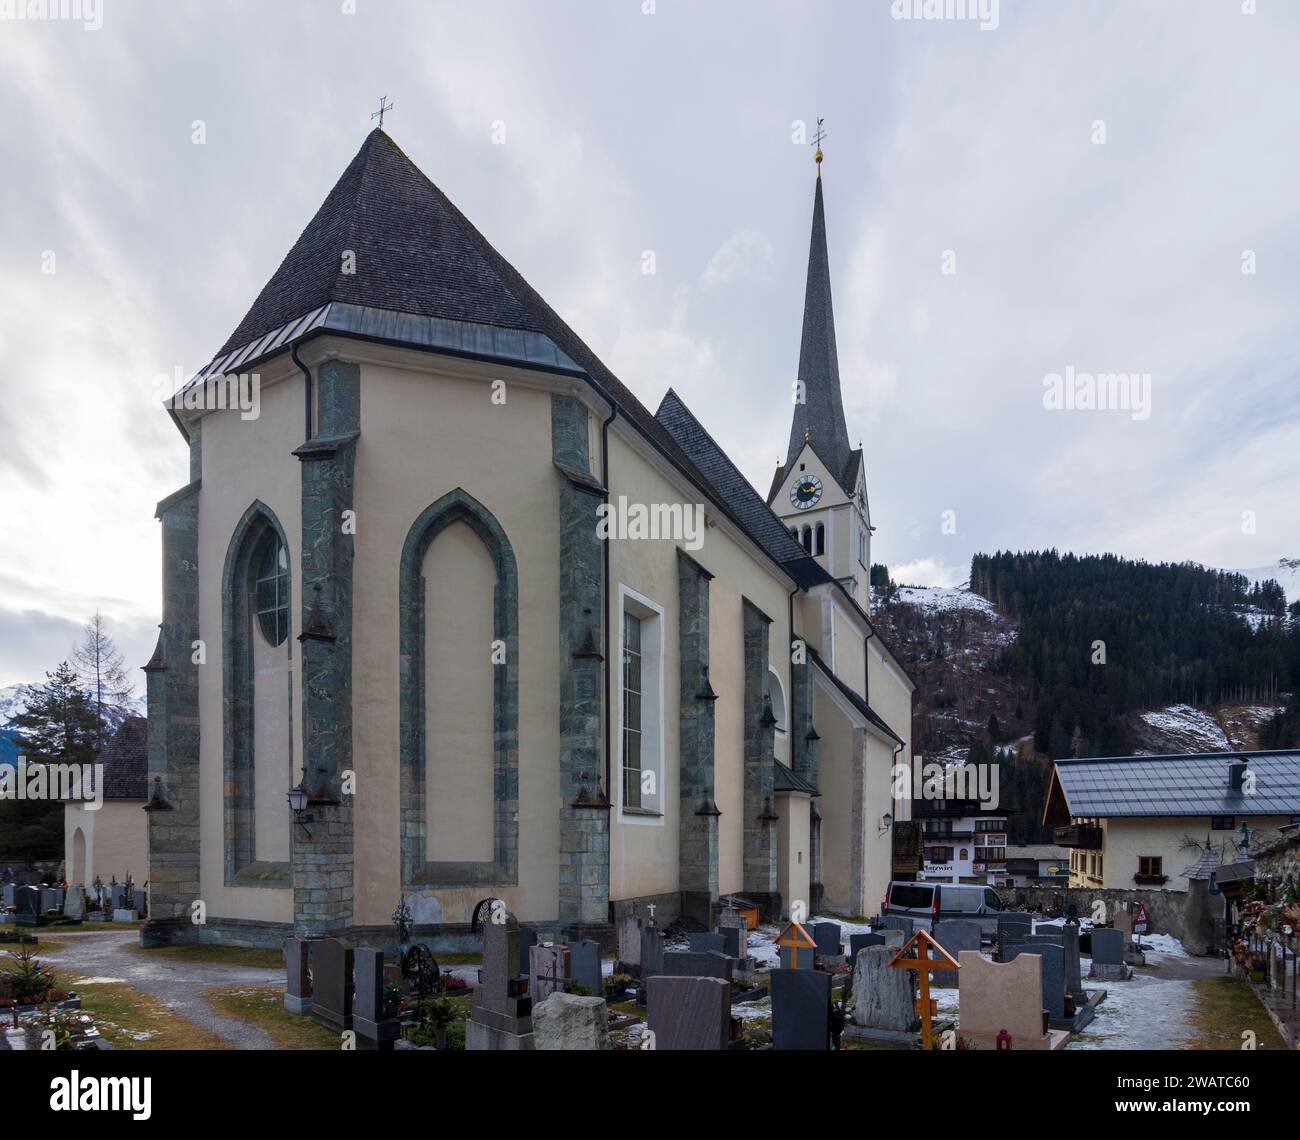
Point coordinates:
[[1140, 920]]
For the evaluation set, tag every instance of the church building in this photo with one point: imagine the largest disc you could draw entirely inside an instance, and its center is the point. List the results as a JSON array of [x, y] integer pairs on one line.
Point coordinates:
[[405, 651]]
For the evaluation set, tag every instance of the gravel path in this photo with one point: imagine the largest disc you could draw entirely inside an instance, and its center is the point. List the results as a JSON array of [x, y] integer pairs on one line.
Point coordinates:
[[178, 983]]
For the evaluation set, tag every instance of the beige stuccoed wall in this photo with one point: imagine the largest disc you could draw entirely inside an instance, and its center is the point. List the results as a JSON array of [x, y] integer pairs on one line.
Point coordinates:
[[1125, 838], [643, 854], [835, 782], [272, 682], [117, 840], [459, 581], [878, 841], [244, 461], [423, 433]]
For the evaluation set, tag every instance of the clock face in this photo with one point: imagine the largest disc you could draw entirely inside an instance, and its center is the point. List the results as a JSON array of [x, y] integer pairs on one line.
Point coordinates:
[[806, 492]]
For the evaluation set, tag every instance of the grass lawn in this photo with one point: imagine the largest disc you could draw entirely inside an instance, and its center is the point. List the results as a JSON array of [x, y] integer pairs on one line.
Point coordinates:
[[218, 955], [1225, 1008], [129, 1019], [264, 1008]]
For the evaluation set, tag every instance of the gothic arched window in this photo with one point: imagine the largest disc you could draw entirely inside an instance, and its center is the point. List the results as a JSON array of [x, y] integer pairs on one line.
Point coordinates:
[[271, 588], [819, 540]]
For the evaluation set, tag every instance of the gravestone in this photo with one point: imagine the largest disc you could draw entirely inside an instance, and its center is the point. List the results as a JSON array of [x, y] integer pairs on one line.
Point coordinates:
[[707, 964], [895, 922], [332, 984], [629, 944], [501, 1016], [570, 1022], [584, 968], [706, 943], [297, 988], [862, 941], [1073, 967], [527, 940], [827, 937], [998, 996], [74, 906], [1108, 956], [884, 999], [954, 935], [27, 901], [7, 894], [801, 1009], [652, 958], [116, 896], [1124, 921], [548, 971], [734, 941], [687, 1013], [1048, 933], [374, 1031], [1053, 969], [1013, 926], [805, 959], [50, 899], [729, 920], [894, 938]]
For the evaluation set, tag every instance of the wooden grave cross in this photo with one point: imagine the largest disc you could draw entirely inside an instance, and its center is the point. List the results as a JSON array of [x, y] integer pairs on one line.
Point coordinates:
[[796, 938], [921, 943]]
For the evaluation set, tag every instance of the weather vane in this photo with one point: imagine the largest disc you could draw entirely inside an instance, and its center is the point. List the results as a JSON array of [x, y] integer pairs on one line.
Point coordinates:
[[382, 108], [817, 142]]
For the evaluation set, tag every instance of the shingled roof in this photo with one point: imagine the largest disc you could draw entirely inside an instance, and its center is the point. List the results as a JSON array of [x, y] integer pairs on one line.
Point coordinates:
[[1189, 785], [125, 761]]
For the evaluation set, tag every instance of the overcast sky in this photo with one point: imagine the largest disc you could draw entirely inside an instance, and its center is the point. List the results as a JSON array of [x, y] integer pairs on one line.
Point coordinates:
[[674, 132]]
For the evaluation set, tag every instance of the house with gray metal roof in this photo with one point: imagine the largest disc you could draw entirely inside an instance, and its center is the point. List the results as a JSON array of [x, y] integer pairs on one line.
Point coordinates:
[[1143, 821]]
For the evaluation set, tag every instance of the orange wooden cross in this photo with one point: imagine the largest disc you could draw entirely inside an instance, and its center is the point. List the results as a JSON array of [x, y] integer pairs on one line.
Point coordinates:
[[796, 938], [921, 943]]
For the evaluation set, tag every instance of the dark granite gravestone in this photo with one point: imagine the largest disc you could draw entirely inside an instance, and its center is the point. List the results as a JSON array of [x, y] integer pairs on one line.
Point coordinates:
[[805, 959], [735, 941], [584, 966], [332, 984], [707, 943], [1053, 967], [297, 988], [827, 937], [862, 941], [116, 896], [689, 1012], [527, 940], [1050, 933], [374, 1031], [706, 964], [7, 895], [954, 935], [501, 1017], [801, 1009], [896, 922], [1108, 947], [1073, 969], [27, 900], [1013, 926]]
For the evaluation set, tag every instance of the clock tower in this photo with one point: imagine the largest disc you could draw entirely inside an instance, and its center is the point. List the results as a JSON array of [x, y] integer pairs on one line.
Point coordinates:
[[820, 491]]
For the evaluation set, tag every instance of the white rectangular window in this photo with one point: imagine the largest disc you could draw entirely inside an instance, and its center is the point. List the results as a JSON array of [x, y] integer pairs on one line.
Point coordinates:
[[641, 706]]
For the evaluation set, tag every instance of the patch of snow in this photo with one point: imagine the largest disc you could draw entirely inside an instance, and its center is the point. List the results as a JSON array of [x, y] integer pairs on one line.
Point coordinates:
[[1193, 728], [1285, 572], [934, 599]]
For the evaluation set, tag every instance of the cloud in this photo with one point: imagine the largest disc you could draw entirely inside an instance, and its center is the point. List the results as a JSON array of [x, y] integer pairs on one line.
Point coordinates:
[[747, 255]]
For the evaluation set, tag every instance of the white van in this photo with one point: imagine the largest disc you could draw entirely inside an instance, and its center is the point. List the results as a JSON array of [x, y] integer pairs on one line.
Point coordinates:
[[926, 903]]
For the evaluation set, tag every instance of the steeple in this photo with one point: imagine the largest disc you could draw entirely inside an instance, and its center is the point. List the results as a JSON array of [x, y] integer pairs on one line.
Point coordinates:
[[819, 420]]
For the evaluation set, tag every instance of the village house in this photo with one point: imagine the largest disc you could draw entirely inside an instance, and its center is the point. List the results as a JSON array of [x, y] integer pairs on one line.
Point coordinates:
[[107, 837], [403, 654], [1140, 821]]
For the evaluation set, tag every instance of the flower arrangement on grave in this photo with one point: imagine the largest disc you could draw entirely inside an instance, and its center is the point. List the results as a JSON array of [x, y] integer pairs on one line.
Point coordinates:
[[616, 984], [392, 1002], [452, 984]]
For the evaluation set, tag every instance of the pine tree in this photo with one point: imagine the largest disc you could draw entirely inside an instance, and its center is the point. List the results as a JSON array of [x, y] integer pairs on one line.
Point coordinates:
[[60, 722], [101, 669]]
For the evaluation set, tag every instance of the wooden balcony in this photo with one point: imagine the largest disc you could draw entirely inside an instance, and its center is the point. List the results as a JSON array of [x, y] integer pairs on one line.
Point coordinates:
[[1085, 836]]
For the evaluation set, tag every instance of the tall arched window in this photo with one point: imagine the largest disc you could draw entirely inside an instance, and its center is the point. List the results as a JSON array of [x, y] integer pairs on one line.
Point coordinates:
[[257, 667], [806, 538], [819, 540]]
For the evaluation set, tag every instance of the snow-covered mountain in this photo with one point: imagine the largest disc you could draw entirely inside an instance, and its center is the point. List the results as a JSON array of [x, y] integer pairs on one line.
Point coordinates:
[[13, 700], [1285, 572]]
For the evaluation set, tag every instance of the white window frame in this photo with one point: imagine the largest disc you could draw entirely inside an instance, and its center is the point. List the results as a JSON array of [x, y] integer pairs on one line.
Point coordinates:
[[652, 702]]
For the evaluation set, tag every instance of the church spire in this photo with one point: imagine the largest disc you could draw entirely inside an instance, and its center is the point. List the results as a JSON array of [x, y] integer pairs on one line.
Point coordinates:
[[819, 420]]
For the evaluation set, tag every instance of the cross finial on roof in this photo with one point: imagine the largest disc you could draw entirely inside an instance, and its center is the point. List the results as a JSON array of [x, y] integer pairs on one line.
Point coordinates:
[[818, 136], [383, 99]]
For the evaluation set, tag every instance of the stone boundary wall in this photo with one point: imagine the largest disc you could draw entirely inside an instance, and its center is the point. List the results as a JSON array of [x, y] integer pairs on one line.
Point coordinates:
[[1164, 908]]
